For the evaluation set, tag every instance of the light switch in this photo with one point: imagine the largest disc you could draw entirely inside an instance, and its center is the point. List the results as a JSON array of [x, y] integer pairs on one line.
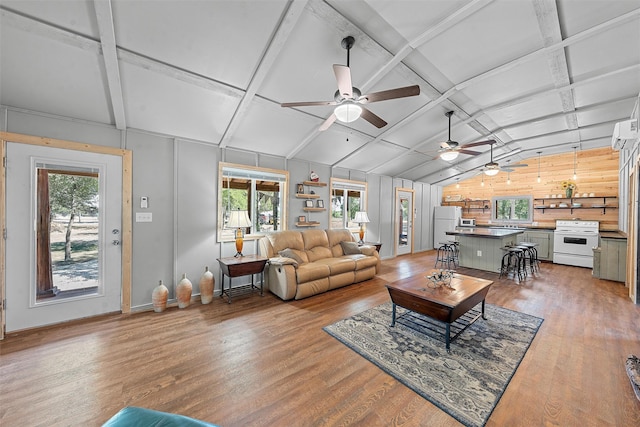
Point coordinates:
[[144, 217], [144, 202]]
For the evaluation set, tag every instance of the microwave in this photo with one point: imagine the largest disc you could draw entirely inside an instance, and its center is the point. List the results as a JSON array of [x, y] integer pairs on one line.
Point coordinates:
[[467, 222]]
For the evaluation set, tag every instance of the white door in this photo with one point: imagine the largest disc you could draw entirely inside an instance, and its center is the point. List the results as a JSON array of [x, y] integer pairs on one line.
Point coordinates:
[[404, 221], [83, 287]]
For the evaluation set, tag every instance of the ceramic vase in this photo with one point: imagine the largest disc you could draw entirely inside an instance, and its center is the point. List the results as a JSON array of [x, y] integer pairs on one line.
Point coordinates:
[[159, 297], [206, 286], [183, 292]]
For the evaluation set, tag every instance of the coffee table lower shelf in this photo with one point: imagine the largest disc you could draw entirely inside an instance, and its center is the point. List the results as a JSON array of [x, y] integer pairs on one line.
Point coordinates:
[[450, 331]]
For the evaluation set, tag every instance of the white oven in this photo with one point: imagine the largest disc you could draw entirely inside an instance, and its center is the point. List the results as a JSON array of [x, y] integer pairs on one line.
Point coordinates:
[[573, 242]]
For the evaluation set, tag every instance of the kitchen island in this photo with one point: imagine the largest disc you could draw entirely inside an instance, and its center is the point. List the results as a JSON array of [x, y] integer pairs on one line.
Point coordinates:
[[480, 247]]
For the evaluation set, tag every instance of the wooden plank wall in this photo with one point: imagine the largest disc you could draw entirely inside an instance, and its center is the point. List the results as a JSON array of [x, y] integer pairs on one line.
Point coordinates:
[[597, 172]]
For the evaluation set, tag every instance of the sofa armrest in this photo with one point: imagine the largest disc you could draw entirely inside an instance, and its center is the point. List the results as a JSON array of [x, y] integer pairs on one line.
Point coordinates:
[[368, 250], [281, 278], [281, 260]]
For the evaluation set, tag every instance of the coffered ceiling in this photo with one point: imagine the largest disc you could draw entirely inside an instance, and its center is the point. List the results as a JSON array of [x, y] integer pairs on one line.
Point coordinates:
[[534, 75]]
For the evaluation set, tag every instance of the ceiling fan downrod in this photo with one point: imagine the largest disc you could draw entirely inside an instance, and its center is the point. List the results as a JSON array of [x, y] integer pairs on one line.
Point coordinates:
[[347, 43]]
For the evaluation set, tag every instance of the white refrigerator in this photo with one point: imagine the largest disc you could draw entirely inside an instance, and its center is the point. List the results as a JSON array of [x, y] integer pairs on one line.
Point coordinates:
[[445, 218]]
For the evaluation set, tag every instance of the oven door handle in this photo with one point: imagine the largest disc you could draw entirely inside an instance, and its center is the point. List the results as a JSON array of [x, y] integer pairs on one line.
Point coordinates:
[[575, 240]]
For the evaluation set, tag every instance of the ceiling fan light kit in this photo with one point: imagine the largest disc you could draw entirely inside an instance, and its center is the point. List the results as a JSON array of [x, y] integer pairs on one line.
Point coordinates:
[[348, 112], [491, 170], [449, 155]]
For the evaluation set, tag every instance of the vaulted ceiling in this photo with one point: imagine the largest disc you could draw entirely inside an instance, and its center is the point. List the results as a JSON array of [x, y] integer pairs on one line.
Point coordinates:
[[534, 75]]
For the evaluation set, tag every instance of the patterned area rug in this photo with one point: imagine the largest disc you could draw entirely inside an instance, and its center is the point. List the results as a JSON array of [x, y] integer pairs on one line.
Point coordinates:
[[468, 382]]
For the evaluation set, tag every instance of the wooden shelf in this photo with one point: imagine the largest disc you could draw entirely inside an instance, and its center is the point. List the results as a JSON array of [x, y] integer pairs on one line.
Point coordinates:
[[307, 196], [315, 183], [307, 224], [314, 209]]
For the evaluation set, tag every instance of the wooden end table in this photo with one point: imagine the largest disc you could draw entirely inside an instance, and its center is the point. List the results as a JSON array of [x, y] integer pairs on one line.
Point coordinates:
[[241, 266], [445, 304]]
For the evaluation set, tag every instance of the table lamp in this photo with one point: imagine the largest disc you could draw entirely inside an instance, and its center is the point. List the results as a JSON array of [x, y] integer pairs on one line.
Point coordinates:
[[239, 220], [361, 218]]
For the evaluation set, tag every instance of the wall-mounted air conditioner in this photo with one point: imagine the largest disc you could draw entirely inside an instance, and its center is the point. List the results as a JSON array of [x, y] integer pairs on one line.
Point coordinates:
[[624, 134]]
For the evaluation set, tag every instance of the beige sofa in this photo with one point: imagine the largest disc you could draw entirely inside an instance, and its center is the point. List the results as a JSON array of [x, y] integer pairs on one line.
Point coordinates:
[[306, 263]]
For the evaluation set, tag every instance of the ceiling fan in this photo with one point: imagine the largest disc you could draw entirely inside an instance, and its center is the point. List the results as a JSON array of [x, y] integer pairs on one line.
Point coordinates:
[[449, 150], [349, 100], [492, 168]]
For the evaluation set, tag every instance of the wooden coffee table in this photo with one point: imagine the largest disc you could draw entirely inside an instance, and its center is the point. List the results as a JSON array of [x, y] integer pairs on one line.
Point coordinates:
[[445, 304]]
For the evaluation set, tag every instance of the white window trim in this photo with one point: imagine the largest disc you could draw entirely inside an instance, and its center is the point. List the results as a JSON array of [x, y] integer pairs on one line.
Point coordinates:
[[348, 184]]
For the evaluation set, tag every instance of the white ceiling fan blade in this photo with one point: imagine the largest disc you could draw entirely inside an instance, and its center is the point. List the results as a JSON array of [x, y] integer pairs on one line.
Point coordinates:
[[325, 125], [343, 77]]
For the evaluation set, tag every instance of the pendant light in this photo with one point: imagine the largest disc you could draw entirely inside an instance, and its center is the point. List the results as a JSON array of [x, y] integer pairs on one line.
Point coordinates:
[[482, 182], [457, 183], [575, 156], [508, 178], [539, 152]]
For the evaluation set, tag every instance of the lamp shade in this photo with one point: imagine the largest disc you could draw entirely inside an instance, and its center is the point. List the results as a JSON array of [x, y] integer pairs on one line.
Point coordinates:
[[361, 217], [239, 219], [449, 155], [347, 112]]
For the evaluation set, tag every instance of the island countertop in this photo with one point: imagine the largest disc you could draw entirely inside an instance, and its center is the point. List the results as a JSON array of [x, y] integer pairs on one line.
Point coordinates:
[[490, 233]]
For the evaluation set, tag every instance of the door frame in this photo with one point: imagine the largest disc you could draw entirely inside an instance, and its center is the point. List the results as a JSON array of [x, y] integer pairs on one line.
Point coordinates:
[[412, 216], [126, 230]]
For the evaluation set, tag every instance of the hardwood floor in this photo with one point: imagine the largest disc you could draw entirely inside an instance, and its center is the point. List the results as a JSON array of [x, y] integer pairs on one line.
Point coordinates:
[[264, 362]]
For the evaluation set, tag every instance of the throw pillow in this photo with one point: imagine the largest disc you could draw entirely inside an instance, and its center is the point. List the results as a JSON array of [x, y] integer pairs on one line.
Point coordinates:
[[350, 248], [289, 253]]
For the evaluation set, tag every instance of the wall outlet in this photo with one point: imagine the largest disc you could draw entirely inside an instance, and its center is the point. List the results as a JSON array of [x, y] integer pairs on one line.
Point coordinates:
[[479, 253]]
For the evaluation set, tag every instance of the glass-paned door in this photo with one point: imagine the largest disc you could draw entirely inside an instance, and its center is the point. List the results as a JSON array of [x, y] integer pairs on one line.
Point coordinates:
[[64, 219]]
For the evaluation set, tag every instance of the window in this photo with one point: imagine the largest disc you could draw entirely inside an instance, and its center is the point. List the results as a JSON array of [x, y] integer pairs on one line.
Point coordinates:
[[514, 208], [259, 191], [347, 198]]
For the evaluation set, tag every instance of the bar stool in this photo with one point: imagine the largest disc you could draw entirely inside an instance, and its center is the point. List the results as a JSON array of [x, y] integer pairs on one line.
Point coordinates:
[[532, 252], [513, 262], [446, 255]]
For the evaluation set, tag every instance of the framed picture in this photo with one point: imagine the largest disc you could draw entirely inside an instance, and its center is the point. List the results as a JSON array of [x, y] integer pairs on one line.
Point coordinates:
[[302, 218], [299, 188], [321, 203], [308, 203]]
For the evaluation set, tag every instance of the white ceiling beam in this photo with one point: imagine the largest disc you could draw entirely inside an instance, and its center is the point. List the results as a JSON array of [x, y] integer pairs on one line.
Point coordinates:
[[549, 25], [48, 31], [285, 27], [104, 16]]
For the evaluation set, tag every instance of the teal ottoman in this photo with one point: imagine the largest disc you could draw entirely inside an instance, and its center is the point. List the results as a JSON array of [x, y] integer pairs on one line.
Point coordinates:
[[132, 416]]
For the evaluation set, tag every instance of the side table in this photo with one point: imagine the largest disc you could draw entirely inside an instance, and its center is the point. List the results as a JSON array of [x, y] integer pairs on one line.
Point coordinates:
[[377, 245], [241, 266]]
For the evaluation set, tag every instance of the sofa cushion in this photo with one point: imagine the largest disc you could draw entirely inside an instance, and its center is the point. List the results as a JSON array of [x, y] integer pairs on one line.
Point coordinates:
[[338, 265], [311, 271], [286, 239], [298, 256], [362, 261], [350, 248], [337, 236], [316, 245]]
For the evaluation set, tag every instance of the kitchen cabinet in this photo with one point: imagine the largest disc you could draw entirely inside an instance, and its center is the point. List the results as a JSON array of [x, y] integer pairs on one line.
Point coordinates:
[[613, 259], [544, 239]]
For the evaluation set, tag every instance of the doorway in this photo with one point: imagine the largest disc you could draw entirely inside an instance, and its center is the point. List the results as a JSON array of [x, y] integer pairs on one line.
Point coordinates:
[[405, 216], [66, 254]]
